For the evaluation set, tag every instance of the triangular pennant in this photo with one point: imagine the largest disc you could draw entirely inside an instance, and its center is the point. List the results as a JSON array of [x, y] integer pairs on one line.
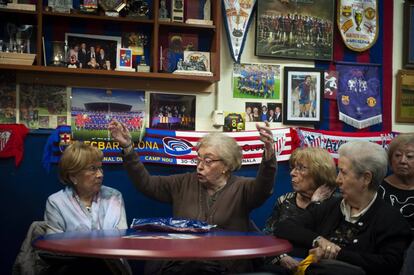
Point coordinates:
[[237, 18]]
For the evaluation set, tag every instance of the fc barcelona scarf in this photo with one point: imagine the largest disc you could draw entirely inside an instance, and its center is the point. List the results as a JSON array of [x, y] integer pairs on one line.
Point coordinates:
[[12, 141], [358, 95], [237, 18]]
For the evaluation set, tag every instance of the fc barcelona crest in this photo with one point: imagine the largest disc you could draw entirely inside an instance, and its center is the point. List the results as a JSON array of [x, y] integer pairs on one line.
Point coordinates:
[[358, 23]]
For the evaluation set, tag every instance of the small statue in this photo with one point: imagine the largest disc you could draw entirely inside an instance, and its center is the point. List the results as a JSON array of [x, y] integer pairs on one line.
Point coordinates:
[[163, 10]]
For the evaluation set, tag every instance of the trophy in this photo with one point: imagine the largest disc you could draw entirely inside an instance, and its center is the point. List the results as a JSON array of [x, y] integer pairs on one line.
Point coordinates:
[[142, 41], [137, 9], [11, 31], [358, 19], [177, 10], [58, 58], [163, 11], [63, 6], [112, 7]]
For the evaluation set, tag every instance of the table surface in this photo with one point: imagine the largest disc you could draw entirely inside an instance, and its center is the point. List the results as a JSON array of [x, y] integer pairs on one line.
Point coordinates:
[[131, 244]]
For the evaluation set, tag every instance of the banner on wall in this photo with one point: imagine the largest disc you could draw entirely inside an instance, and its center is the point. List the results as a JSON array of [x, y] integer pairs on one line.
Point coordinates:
[[358, 95], [331, 140], [357, 23], [173, 147], [237, 16], [12, 141]]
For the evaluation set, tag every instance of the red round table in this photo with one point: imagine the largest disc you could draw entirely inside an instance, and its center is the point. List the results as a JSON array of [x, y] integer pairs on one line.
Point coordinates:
[[131, 244]]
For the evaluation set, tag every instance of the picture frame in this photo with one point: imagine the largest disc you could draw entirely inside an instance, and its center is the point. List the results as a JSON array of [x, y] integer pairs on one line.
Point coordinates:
[[125, 59], [101, 51], [408, 35], [404, 107], [302, 95], [298, 41], [172, 111]]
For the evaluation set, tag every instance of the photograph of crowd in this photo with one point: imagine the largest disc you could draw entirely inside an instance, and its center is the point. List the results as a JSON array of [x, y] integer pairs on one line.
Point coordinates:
[[256, 81], [302, 30], [93, 109], [92, 51], [175, 112]]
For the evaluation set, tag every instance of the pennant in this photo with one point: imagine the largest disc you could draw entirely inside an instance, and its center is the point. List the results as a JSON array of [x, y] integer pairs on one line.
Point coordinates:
[[12, 141], [175, 147], [357, 23], [331, 140], [358, 95], [237, 18]]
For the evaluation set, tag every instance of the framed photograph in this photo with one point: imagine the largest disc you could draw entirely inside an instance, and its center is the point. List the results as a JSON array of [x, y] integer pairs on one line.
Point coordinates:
[[261, 81], [172, 111], [299, 30], [408, 35], [92, 51], [302, 95], [125, 60], [404, 108]]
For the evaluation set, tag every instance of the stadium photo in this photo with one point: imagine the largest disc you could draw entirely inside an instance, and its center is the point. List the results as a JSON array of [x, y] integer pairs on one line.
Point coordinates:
[[93, 109]]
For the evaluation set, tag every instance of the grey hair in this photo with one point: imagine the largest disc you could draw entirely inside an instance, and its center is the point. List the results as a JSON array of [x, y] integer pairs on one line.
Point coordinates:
[[366, 156], [228, 149], [401, 140]]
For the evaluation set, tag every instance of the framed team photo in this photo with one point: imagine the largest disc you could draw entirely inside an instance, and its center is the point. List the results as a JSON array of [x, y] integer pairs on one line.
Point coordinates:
[[302, 98], [295, 29]]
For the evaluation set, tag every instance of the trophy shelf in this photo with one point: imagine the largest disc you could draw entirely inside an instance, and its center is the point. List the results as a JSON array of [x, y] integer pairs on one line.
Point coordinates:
[[96, 17], [18, 11], [45, 20]]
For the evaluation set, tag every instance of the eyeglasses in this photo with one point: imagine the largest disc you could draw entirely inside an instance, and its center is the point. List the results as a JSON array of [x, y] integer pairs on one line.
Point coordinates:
[[93, 169], [205, 161], [300, 168]]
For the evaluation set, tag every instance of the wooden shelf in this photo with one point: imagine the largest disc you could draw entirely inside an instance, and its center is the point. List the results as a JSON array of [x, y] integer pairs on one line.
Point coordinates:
[[45, 21]]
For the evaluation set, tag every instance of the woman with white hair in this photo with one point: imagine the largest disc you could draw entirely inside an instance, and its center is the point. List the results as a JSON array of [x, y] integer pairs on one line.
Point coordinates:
[[358, 233], [212, 193]]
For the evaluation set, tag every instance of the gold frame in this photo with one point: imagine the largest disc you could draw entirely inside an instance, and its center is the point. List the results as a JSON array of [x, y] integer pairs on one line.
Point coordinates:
[[404, 94]]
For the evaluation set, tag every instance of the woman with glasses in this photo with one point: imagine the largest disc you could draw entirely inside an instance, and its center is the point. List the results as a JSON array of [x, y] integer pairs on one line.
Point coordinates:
[[84, 204], [358, 233], [212, 193], [313, 173]]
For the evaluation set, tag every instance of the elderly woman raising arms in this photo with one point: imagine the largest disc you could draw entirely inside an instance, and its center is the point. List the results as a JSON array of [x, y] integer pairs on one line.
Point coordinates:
[[212, 193], [356, 234]]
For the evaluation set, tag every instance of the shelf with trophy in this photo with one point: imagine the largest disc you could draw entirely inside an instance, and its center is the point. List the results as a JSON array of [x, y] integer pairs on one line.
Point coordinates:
[[126, 39], [17, 44]]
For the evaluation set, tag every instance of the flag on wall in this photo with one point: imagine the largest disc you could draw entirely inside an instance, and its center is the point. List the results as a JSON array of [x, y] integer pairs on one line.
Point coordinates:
[[331, 140], [358, 95], [174, 147], [237, 18], [12, 141]]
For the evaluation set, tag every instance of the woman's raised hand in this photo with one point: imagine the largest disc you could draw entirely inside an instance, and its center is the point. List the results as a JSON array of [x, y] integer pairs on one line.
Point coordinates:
[[119, 132], [266, 136]]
